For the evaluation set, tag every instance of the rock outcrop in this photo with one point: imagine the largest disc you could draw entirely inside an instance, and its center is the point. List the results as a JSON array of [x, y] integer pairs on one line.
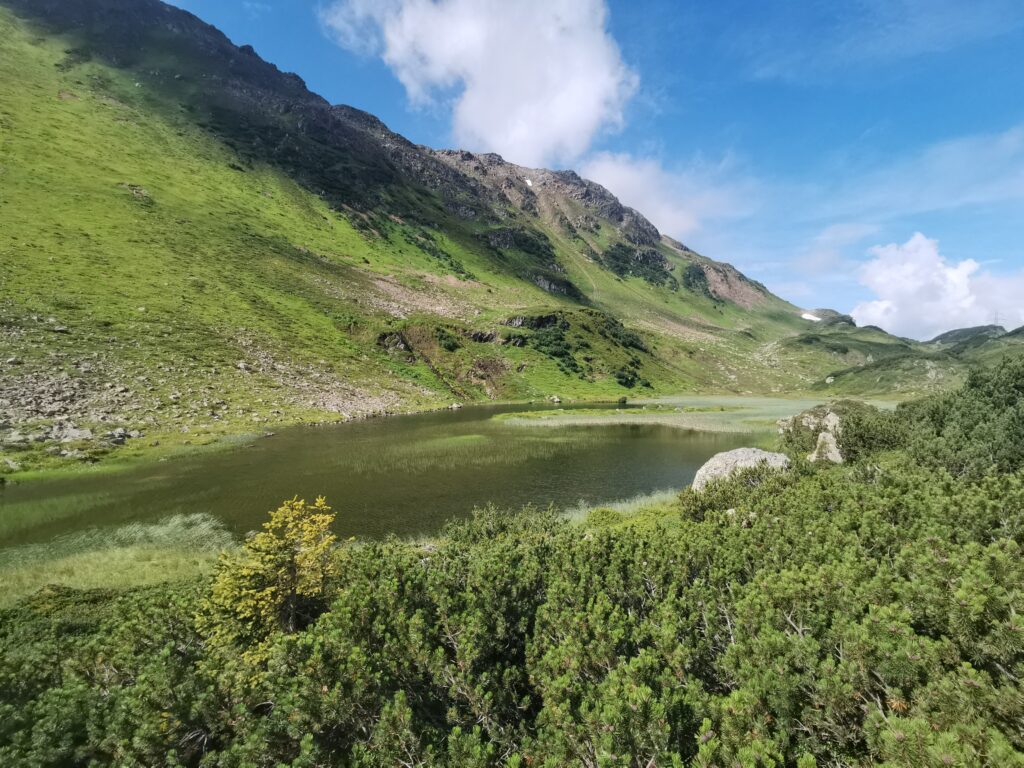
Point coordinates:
[[827, 449], [725, 464], [818, 431]]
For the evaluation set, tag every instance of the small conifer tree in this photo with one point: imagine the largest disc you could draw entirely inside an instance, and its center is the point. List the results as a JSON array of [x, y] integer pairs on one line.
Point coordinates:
[[278, 581]]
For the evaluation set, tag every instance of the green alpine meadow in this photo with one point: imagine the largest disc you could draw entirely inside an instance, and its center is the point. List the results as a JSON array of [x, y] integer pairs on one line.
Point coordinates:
[[323, 447]]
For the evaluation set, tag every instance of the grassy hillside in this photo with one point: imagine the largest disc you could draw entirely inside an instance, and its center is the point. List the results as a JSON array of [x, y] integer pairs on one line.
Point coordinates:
[[902, 368]]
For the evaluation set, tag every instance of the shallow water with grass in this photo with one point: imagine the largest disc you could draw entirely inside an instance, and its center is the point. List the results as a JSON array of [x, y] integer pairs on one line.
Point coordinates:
[[133, 554], [405, 475]]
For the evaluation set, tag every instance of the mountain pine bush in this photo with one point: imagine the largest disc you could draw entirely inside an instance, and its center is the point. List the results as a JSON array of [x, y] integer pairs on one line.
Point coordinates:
[[864, 614]]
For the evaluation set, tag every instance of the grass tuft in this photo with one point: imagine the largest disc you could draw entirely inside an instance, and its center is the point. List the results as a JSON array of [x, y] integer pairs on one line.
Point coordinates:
[[137, 554]]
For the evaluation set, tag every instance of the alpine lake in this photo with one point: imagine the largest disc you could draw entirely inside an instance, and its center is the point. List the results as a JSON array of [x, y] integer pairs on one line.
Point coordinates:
[[408, 475]]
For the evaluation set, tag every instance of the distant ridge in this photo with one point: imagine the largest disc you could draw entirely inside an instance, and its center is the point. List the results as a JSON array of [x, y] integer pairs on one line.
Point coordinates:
[[959, 335]]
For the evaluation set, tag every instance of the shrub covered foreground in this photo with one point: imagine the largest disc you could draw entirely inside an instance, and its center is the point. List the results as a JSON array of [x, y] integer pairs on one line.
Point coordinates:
[[842, 616]]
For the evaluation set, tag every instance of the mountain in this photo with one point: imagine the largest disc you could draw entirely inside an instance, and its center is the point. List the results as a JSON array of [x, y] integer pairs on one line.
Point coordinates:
[[978, 334], [913, 368], [194, 244]]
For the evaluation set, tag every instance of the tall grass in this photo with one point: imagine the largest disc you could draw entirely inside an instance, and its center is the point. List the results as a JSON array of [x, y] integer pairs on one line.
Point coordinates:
[[643, 503], [178, 547]]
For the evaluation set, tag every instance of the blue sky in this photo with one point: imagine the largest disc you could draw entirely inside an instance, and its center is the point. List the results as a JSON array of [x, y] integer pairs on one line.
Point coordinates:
[[865, 155]]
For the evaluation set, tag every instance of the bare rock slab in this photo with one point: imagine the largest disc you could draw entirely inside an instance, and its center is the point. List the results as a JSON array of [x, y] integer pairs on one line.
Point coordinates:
[[827, 449]]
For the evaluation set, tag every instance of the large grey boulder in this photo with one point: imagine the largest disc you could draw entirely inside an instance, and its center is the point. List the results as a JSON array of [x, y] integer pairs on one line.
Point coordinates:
[[69, 433], [727, 463], [15, 438]]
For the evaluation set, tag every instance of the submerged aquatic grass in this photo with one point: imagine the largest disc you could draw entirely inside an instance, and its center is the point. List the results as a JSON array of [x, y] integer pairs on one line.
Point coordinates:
[[137, 554], [457, 452], [35, 511], [742, 415]]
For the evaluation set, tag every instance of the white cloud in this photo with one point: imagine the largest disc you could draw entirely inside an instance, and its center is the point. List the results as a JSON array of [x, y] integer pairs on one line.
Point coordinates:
[[921, 293], [678, 202], [534, 80]]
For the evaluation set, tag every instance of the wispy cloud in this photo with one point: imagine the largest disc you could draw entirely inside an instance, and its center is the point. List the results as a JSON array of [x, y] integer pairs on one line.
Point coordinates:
[[679, 201], [826, 252], [797, 40], [255, 9], [535, 80], [972, 170]]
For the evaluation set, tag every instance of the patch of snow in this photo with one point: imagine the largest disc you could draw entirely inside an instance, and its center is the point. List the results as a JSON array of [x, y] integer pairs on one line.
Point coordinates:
[[812, 318], [529, 183]]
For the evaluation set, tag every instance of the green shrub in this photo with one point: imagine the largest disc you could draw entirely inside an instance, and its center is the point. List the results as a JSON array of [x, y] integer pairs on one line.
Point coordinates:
[[447, 340], [866, 431], [975, 430], [857, 615]]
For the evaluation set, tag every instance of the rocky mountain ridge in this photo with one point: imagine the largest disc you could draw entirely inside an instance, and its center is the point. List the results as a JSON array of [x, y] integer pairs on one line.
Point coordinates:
[[347, 156]]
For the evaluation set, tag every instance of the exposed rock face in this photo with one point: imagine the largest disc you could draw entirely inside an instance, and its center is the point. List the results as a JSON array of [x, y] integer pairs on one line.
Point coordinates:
[[538, 189], [555, 285], [69, 433], [728, 284], [725, 464], [823, 426], [827, 449]]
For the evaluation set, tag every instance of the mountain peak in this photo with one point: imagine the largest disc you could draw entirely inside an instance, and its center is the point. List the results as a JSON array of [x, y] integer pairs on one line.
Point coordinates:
[[562, 194]]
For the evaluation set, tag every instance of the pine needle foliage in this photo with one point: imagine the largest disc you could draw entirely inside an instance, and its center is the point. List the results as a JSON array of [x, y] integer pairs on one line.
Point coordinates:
[[868, 614], [278, 581]]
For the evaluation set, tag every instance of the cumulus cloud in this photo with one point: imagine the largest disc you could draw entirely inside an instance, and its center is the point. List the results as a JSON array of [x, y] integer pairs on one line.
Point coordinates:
[[678, 202], [534, 80], [921, 293]]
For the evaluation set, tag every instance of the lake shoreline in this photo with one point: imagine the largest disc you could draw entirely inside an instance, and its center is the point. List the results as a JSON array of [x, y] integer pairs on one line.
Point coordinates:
[[154, 448], [385, 476]]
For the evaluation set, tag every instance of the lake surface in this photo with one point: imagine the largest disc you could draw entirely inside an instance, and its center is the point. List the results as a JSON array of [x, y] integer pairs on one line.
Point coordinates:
[[403, 474]]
